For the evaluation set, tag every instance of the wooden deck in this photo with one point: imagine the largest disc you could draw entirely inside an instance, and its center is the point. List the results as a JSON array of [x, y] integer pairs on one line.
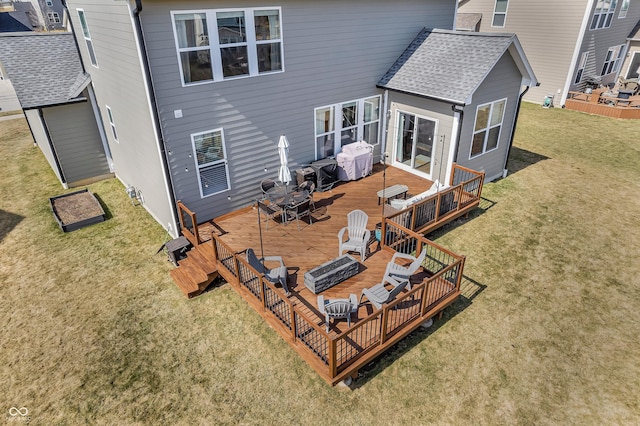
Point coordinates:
[[608, 106], [338, 354]]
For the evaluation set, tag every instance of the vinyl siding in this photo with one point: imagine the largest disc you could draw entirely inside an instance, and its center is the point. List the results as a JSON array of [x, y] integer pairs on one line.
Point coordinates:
[[433, 110], [598, 42], [119, 83], [502, 82], [334, 51], [77, 142], [40, 138], [548, 31]]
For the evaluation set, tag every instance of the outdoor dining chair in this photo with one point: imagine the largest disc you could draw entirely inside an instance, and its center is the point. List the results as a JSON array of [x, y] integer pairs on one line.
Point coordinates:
[[310, 187], [266, 184], [275, 275], [299, 210], [271, 211], [378, 295], [395, 272], [358, 235]]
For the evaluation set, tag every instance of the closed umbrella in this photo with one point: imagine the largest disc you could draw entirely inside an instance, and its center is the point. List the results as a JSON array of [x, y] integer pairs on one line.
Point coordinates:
[[284, 175]]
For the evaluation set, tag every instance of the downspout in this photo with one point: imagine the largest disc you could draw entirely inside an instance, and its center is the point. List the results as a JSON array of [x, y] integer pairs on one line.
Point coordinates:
[[387, 116], [513, 130], [460, 113], [53, 149], [156, 116]]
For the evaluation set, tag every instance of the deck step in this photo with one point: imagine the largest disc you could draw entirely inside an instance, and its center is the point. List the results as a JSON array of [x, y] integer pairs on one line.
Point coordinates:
[[194, 273]]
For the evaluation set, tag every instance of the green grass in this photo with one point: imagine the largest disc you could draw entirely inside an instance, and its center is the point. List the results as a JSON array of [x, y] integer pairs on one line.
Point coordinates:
[[95, 331], [5, 113]]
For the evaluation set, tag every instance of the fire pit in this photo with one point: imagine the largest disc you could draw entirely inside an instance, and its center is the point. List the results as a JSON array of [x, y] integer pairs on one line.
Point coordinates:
[[76, 210], [331, 273]]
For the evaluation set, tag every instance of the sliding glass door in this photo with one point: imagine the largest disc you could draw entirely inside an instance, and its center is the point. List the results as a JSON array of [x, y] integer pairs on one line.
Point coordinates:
[[414, 142]]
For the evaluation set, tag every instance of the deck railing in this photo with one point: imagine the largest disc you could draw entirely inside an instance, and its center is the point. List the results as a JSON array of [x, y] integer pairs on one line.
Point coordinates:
[[188, 223], [444, 206], [337, 356]]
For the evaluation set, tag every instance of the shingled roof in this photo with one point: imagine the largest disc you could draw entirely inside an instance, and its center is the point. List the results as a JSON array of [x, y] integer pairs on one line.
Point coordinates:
[[44, 68], [450, 65]]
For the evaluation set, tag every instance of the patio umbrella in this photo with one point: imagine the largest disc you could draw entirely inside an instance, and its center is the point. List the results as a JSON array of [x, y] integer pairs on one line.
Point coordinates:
[[284, 175]]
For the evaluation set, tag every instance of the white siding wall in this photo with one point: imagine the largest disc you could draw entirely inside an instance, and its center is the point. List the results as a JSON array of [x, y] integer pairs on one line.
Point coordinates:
[[119, 83], [548, 31], [334, 51], [502, 82]]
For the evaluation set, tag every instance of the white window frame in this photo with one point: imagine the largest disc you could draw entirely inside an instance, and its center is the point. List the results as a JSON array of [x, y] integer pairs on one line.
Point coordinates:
[[613, 60], [602, 16], [215, 46], [336, 118], [493, 18], [624, 8], [223, 161], [93, 58], [488, 128], [581, 66], [112, 123], [49, 3], [631, 70]]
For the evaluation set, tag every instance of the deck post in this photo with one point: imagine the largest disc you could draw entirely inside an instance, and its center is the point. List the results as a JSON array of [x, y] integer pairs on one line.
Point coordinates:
[[383, 323], [459, 206], [437, 215], [263, 298], [460, 270], [294, 325], [423, 307], [333, 365]]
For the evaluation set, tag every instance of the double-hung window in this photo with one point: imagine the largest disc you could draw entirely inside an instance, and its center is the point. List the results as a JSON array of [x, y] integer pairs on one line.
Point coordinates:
[[613, 59], [87, 37], [211, 163], [49, 3], [603, 14], [581, 66], [486, 133], [216, 45], [112, 124], [341, 124], [53, 17], [500, 13], [623, 9]]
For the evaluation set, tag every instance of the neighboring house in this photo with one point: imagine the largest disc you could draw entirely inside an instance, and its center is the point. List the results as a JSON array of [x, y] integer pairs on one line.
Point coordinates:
[[631, 65], [200, 94], [567, 42], [57, 100], [19, 17], [53, 13]]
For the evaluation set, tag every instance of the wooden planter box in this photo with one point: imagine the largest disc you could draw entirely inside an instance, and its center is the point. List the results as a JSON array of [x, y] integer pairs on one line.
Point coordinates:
[[76, 210]]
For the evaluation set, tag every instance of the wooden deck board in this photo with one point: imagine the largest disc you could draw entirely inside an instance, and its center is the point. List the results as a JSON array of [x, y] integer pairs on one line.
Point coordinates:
[[317, 243]]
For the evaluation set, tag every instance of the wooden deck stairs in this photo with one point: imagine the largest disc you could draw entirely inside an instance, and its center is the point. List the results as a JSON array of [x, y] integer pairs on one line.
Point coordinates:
[[194, 273]]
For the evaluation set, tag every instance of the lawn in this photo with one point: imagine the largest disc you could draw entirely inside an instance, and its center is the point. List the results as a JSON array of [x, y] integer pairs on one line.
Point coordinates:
[[547, 330]]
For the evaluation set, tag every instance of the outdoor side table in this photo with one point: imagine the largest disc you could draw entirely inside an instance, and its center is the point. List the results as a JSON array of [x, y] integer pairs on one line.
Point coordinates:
[[392, 191], [176, 247]]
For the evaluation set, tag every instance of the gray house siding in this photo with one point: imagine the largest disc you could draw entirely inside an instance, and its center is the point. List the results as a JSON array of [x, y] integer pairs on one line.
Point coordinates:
[[119, 83], [502, 82], [548, 31], [598, 42], [433, 110], [77, 142], [40, 138], [333, 52]]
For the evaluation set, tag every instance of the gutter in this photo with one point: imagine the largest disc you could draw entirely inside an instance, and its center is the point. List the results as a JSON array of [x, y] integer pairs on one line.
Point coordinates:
[[144, 60], [513, 130]]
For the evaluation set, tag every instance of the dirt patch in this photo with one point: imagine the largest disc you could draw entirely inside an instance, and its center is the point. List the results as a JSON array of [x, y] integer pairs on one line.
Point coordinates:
[[77, 209]]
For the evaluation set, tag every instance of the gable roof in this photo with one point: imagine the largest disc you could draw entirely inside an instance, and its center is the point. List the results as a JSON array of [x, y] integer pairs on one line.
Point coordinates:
[[44, 68], [22, 18], [451, 65]]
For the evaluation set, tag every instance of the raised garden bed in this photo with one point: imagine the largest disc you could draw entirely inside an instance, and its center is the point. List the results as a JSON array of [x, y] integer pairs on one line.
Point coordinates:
[[76, 210]]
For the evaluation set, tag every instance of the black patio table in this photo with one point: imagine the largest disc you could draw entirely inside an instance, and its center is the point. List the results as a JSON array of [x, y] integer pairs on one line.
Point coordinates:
[[286, 196]]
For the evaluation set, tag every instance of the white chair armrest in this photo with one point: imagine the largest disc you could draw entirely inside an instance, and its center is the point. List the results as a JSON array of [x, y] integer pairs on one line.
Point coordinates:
[[402, 256], [341, 233], [274, 259]]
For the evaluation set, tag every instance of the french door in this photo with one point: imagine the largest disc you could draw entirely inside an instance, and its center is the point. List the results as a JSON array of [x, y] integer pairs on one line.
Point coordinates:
[[415, 142]]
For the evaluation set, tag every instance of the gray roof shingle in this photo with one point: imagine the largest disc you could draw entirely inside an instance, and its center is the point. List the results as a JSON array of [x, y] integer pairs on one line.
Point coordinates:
[[446, 65], [44, 68]]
